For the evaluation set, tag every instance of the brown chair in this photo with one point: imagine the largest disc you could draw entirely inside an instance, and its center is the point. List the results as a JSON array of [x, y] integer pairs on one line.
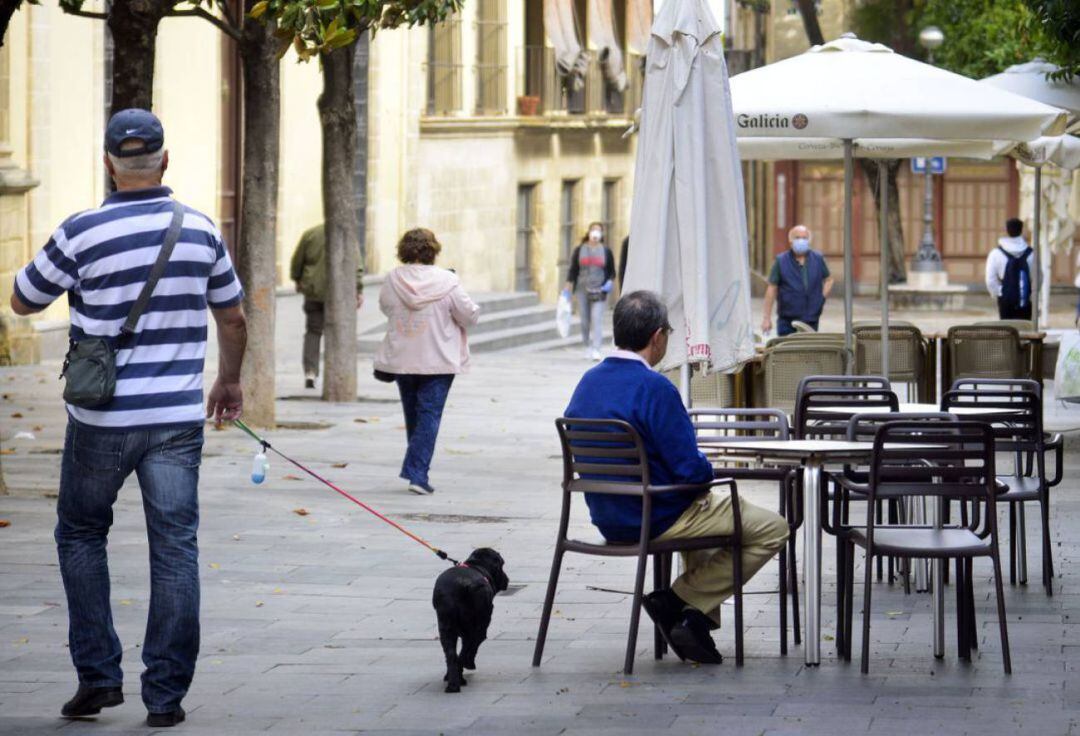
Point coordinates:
[[907, 354], [957, 465], [714, 427], [787, 364], [607, 456], [986, 351]]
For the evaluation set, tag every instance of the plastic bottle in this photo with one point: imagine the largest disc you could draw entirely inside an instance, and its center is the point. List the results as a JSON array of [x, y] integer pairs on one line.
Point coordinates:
[[259, 466]]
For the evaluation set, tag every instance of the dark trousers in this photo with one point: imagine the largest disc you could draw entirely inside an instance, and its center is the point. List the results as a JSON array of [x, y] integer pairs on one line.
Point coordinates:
[[422, 399], [314, 319], [1007, 311], [94, 467]]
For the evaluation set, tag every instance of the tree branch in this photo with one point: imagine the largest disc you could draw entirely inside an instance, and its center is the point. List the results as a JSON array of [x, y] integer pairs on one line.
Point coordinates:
[[86, 14], [808, 11], [224, 27], [226, 10]]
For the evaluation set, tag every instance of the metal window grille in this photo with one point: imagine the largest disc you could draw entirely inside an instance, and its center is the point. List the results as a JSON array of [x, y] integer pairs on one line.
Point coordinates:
[[491, 57], [523, 249], [568, 225], [444, 67], [609, 211]]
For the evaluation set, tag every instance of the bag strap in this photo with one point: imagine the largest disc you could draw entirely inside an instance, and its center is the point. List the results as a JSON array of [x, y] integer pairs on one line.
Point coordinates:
[[158, 269]]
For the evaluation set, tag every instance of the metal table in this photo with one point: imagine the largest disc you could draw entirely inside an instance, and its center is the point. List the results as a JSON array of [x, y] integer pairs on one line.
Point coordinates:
[[811, 455]]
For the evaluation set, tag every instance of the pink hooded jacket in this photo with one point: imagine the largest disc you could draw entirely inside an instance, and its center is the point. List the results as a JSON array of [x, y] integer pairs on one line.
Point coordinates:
[[428, 312]]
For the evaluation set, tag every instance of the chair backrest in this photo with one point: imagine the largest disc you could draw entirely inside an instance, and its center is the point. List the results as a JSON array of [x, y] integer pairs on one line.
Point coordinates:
[[711, 390], [953, 459], [907, 351], [725, 425], [786, 365], [801, 326], [985, 352], [812, 423], [996, 384], [864, 427], [803, 338], [1017, 427], [602, 456], [1021, 325], [842, 382]]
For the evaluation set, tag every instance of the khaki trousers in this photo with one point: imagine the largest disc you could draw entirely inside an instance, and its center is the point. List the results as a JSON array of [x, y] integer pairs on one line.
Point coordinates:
[[709, 578]]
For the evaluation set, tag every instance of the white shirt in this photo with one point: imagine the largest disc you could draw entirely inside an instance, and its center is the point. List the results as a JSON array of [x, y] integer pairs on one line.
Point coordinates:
[[996, 263], [627, 355]]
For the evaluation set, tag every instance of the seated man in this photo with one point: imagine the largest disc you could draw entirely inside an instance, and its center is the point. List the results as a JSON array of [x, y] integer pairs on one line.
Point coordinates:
[[625, 387]]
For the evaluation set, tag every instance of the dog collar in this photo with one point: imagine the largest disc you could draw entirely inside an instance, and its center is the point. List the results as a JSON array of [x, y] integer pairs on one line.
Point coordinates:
[[483, 574]]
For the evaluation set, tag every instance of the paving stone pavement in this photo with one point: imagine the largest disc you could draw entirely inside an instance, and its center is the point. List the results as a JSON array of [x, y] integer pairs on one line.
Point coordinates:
[[322, 624]]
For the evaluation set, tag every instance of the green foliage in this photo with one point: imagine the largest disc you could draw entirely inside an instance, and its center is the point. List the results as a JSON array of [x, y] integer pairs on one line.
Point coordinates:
[[1059, 24], [315, 27]]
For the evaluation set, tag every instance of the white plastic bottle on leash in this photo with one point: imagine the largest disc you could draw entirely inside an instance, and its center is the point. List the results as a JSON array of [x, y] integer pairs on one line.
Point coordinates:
[[259, 466]]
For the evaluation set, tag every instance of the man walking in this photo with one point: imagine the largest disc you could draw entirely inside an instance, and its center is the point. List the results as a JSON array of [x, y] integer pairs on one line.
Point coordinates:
[[799, 284], [308, 271], [1008, 272], [153, 424]]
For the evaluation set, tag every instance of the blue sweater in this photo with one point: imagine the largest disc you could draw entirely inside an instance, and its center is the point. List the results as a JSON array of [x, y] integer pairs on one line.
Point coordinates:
[[625, 389]]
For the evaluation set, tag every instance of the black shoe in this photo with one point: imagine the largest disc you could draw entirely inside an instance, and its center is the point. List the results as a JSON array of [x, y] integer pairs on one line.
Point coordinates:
[[664, 608], [421, 489], [89, 701], [309, 383], [165, 720], [691, 636]]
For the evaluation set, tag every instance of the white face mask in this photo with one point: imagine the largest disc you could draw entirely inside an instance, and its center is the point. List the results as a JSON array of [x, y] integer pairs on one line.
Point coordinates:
[[596, 236]]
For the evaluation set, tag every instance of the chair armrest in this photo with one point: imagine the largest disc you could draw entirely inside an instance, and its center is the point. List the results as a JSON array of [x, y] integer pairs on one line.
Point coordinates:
[[692, 487], [849, 485], [1056, 443]]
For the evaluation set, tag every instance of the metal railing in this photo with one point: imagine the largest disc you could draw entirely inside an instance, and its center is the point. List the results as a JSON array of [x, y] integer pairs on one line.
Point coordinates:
[[543, 88]]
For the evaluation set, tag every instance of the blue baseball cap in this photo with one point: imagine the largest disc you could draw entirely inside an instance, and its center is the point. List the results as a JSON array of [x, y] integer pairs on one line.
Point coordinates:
[[134, 124]]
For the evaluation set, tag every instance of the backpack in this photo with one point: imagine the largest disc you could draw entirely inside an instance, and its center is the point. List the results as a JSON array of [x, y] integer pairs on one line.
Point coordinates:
[[1016, 284]]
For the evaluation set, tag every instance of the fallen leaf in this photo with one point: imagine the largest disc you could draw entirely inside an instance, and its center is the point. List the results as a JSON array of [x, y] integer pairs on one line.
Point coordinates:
[[340, 465], [38, 428], [6, 397], [22, 640], [259, 604], [4, 522], [894, 613], [277, 591], [360, 420], [301, 512], [215, 566], [17, 415], [7, 451], [290, 476], [828, 637], [125, 602]]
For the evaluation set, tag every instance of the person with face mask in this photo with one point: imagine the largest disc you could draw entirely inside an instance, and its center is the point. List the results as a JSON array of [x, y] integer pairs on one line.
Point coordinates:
[[592, 277], [799, 284]]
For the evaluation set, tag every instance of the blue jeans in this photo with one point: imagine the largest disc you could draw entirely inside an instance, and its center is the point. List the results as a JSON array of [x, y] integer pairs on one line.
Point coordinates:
[[95, 464], [422, 399]]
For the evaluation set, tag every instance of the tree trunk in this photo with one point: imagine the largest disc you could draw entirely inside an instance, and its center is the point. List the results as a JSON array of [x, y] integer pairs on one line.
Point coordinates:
[[134, 26], [257, 245], [337, 114], [808, 11], [897, 264], [7, 9]]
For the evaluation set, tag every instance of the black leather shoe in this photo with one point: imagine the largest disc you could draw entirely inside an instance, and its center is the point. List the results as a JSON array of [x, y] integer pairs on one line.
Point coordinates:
[[664, 608], [309, 383], [89, 701], [690, 636], [165, 720]]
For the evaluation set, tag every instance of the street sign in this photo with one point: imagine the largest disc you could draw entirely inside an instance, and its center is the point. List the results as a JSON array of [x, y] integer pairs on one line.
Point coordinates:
[[937, 164]]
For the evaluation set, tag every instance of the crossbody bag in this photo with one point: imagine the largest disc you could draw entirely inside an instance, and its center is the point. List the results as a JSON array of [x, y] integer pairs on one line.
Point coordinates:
[[90, 365]]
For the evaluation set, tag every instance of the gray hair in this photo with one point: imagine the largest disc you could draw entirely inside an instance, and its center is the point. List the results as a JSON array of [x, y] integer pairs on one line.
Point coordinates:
[[638, 315], [141, 164]]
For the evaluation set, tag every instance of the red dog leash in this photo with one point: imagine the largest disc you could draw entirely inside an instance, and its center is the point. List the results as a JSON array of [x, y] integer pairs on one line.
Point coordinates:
[[267, 446]]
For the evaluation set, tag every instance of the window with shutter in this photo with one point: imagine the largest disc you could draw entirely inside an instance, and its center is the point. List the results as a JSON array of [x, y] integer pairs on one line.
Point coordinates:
[[444, 67], [491, 57]]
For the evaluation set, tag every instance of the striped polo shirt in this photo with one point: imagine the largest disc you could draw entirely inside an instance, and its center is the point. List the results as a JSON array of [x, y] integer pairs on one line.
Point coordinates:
[[102, 258]]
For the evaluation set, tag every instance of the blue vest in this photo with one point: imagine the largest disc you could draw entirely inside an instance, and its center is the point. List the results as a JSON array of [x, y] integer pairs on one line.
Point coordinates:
[[794, 300]]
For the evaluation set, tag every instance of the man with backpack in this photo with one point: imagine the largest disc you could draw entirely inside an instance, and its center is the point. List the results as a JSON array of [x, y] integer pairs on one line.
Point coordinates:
[[1009, 269]]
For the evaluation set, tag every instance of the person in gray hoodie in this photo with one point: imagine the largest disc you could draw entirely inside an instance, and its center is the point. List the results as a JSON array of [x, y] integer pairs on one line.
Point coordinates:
[[1010, 268]]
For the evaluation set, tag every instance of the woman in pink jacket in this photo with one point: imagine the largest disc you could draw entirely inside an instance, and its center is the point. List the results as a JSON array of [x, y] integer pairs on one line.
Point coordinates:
[[425, 344]]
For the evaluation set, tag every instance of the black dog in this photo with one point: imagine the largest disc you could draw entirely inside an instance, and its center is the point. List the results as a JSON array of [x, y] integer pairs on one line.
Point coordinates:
[[463, 602]]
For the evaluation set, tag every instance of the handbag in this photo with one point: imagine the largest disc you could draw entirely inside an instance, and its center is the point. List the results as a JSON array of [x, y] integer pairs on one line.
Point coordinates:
[[384, 376], [90, 365]]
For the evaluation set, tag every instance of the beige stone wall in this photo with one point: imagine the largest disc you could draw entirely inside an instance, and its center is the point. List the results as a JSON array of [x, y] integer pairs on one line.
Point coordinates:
[[788, 37]]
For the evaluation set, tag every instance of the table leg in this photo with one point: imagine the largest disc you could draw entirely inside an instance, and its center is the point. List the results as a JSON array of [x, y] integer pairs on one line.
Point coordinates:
[[939, 587], [1021, 544], [918, 516], [812, 560]]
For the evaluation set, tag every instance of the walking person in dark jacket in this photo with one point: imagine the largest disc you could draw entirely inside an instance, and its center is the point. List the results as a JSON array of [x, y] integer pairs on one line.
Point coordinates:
[[799, 284], [308, 271], [592, 277]]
